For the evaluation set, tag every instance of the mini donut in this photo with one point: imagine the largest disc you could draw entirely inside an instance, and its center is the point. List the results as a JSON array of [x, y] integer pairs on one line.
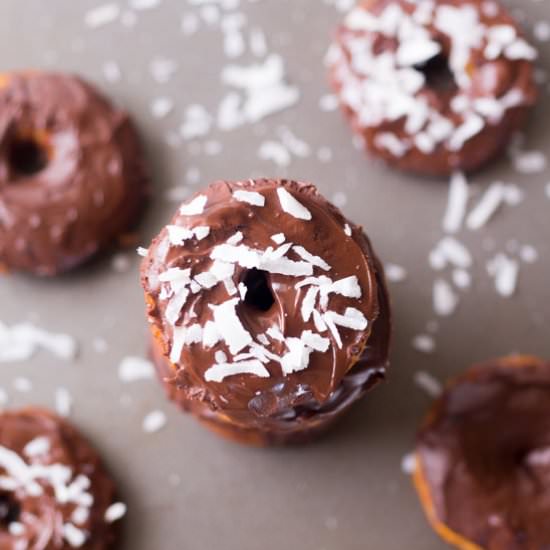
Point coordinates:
[[54, 491], [72, 177], [433, 86], [483, 458], [268, 309]]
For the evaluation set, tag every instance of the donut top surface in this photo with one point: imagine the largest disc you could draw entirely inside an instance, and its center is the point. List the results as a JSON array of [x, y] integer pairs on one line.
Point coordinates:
[[258, 287], [68, 160], [53, 491], [485, 454], [431, 74]]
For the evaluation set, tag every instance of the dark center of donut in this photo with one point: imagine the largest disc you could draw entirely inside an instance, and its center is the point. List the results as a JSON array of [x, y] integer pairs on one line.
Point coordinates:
[[439, 76], [9, 509], [259, 294], [27, 157]]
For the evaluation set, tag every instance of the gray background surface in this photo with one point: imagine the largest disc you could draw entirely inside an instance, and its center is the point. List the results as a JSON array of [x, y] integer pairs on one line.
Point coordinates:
[[346, 492]]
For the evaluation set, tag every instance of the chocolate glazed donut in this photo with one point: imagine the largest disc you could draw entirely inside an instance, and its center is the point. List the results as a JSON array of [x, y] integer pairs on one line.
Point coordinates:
[[483, 457], [54, 491], [269, 310], [72, 177], [433, 86]]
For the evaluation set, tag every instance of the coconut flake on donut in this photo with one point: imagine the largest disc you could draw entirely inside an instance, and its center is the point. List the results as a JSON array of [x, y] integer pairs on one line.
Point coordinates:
[[250, 197], [178, 235], [220, 371], [36, 447], [195, 207], [292, 206], [279, 238]]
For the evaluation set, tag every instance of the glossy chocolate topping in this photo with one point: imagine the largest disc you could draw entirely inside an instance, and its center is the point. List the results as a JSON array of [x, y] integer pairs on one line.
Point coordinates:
[[71, 172], [433, 86], [54, 491], [485, 455], [290, 316]]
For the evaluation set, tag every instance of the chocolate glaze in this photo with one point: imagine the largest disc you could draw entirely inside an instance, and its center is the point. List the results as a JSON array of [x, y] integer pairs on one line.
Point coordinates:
[[277, 408], [72, 177], [490, 78], [41, 518], [484, 452]]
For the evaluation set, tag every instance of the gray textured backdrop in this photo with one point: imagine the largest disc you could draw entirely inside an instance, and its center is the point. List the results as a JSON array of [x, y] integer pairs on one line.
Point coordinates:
[[347, 492]]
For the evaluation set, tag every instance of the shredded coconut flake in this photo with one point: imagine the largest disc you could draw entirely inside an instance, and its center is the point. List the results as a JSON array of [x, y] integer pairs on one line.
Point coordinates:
[[63, 402], [230, 327], [20, 342], [144, 4], [497, 194], [458, 200], [16, 529], [445, 300], [22, 385], [308, 257], [235, 239], [409, 464], [328, 103], [275, 333], [293, 143], [315, 341], [539, 457], [101, 15], [197, 123], [331, 325], [178, 235], [541, 31], [112, 71], [530, 162], [250, 197], [427, 382], [395, 273], [195, 207], [291, 206], [162, 69], [390, 142], [462, 278], [450, 251], [73, 535], [161, 107], [308, 303], [115, 512], [424, 343], [38, 446], [80, 515], [135, 368], [528, 254], [154, 422], [505, 271], [279, 238], [220, 371], [352, 318], [297, 357], [348, 287], [263, 85]]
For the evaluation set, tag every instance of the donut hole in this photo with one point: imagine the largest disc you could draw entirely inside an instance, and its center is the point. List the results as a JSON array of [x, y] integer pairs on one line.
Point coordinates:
[[27, 157], [259, 295], [10, 510], [438, 74]]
